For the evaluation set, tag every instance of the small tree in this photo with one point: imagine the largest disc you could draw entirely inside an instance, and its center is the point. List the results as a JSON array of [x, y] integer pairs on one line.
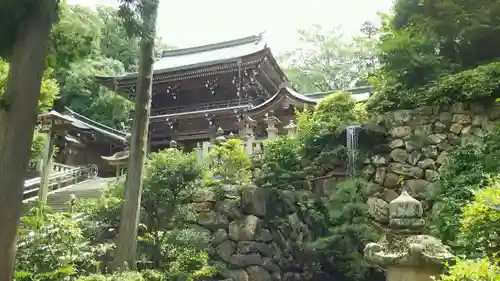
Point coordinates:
[[169, 184], [52, 247], [231, 161]]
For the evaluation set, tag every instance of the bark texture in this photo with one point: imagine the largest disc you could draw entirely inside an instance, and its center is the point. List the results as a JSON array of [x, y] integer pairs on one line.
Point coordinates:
[[126, 252], [17, 121]]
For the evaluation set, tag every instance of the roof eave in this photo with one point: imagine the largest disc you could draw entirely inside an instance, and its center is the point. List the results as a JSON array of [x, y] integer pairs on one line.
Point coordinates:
[[284, 92], [186, 68]]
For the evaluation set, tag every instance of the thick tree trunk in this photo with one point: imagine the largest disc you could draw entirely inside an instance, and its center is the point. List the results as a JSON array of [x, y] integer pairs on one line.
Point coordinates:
[[17, 121], [126, 252]]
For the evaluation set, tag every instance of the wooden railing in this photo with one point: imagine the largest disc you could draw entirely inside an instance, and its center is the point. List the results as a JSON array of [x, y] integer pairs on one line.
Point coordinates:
[[65, 176]]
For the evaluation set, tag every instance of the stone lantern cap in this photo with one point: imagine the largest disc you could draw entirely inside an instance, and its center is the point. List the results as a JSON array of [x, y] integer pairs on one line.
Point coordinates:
[[173, 144], [220, 131], [405, 212], [221, 138], [404, 245]]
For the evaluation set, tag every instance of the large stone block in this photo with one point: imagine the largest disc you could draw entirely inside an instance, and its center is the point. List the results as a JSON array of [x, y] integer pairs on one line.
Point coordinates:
[[246, 229], [254, 200]]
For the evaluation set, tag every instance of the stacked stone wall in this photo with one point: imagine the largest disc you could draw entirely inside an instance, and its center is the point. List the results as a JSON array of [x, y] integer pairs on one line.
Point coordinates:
[[419, 142], [245, 235]]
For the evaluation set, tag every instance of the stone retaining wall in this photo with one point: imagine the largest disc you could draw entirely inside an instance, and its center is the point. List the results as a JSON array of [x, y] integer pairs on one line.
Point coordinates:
[[419, 142], [245, 235]]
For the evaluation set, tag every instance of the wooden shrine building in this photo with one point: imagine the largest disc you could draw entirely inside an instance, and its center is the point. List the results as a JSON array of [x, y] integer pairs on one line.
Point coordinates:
[[84, 141], [233, 88]]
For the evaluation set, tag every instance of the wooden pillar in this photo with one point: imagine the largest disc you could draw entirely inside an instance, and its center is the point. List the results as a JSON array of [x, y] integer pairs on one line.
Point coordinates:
[[46, 166], [205, 147]]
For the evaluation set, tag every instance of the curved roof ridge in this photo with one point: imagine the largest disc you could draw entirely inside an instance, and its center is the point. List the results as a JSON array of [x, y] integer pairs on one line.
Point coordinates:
[[285, 91], [256, 39], [95, 123]]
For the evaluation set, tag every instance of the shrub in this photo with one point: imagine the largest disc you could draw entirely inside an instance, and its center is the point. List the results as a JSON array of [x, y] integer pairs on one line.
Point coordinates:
[[348, 229], [231, 162], [281, 162], [124, 276], [473, 270], [480, 223], [52, 247], [466, 171], [473, 84]]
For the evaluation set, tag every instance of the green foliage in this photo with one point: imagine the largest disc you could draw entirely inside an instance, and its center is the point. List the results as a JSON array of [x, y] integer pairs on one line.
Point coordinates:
[[83, 95], [37, 147], [473, 84], [93, 42], [169, 184], [184, 253], [115, 43], [437, 52], [347, 229], [318, 131], [327, 60], [104, 212], [48, 92], [473, 270], [316, 149], [466, 171], [170, 180], [281, 162], [121, 276], [480, 222], [52, 247], [231, 162], [74, 37]]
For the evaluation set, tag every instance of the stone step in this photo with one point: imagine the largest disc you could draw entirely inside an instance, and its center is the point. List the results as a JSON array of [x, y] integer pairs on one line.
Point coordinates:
[[59, 199]]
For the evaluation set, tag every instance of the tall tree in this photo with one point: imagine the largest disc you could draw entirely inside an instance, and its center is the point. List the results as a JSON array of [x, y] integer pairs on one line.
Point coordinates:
[[24, 28], [140, 16], [326, 60]]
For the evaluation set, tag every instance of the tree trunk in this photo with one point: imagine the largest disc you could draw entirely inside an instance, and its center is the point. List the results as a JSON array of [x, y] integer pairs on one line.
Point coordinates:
[[17, 122], [126, 252]]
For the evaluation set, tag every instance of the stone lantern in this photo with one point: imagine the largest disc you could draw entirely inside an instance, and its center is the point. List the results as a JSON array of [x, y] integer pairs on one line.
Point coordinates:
[[405, 252], [220, 138], [290, 128], [173, 144]]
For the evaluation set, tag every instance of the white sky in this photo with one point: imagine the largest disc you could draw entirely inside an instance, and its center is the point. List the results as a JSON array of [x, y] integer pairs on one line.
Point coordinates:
[[185, 23]]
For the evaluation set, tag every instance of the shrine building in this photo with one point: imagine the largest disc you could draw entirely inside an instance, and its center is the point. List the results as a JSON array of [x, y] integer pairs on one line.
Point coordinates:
[[231, 88]]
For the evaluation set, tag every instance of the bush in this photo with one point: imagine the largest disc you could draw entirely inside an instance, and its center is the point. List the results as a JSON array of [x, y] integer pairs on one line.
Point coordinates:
[[281, 163], [171, 179], [51, 246], [124, 276], [466, 171], [231, 162], [473, 270], [348, 229], [480, 223], [473, 84]]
